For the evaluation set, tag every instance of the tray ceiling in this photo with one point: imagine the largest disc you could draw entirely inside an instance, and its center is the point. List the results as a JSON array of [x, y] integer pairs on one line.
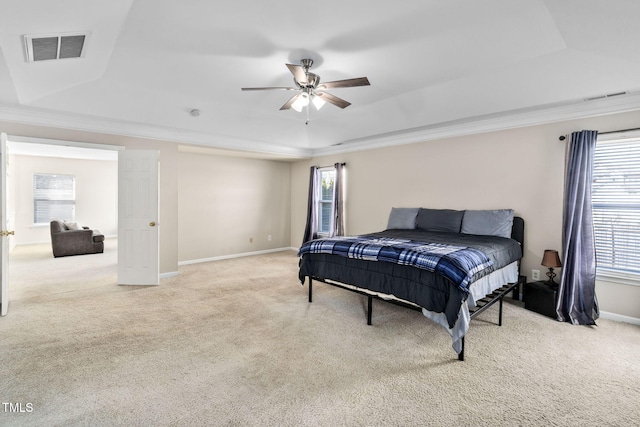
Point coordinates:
[[436, 68]]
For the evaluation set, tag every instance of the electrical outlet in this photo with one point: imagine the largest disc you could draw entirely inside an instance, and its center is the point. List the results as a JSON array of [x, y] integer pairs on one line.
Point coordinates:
[[269, 237], [535, 274]]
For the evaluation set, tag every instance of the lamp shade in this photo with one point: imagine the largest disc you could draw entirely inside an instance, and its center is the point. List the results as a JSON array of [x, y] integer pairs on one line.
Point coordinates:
[[551, 259]]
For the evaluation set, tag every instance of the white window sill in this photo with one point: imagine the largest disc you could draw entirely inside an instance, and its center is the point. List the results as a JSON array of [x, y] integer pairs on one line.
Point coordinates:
[[613, 276]]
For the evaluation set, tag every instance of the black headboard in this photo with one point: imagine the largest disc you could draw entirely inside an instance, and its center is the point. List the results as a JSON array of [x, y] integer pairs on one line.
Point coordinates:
[[517, 231]]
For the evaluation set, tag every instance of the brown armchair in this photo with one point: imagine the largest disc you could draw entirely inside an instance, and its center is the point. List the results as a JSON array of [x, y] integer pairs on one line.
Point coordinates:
[[69, 239]]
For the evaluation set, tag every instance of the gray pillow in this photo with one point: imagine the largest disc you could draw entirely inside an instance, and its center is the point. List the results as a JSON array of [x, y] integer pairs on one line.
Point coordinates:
[[446, 220], [71, 226], [402, 218], [498, 222]]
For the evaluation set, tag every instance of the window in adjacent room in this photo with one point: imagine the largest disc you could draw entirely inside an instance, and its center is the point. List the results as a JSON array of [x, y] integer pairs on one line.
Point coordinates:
[[54, 196], [327, 178], [616, 206]]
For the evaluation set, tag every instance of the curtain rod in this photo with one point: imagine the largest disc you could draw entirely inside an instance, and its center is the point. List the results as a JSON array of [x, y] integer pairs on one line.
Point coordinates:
[[562, 137], [321, 167]]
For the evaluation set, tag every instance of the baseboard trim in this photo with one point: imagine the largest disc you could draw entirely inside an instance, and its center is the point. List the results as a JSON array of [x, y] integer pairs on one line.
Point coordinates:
[[240, 255], [169, 274], [620, 318]]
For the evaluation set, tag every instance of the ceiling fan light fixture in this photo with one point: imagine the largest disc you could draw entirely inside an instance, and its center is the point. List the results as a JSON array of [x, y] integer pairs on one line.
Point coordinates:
[[296, 106], [301, 102], [318, 102]]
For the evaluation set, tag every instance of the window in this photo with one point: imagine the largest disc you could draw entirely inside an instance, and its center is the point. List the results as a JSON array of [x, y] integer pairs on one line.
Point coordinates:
[[616, 206], [327, 179], [54, 196]]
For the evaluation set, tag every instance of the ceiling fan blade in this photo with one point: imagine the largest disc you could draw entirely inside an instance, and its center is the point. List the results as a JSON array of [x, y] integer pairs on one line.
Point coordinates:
[[269, 88], [360, 81], [298, 73], [287, 105], [339, 102]]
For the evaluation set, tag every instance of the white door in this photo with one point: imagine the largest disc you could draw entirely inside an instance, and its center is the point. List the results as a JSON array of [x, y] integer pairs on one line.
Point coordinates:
[[138, 243], [4, 229]]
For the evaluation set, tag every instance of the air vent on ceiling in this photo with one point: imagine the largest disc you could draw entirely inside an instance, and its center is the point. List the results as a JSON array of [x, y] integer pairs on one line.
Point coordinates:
[[55, 46]]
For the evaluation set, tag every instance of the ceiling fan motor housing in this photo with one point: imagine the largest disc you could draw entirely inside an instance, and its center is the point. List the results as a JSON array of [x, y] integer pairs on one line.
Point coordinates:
[[312, 80]]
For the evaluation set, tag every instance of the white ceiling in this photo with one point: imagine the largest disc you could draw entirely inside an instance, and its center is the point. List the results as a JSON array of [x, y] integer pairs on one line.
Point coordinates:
[[435, 67]]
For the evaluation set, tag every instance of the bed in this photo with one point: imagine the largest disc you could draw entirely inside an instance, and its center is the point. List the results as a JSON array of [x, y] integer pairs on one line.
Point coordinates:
[[449, 264]]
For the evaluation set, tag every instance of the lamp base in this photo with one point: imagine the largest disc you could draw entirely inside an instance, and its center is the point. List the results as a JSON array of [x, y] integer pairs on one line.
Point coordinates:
[[551, 275]]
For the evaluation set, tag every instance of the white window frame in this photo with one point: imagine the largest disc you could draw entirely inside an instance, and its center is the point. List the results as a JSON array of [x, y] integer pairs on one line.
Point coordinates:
[[322, 202], [52, 196], [612, 274]]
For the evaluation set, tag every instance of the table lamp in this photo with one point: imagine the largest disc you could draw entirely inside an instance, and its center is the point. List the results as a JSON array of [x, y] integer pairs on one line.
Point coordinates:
[[551, 259]]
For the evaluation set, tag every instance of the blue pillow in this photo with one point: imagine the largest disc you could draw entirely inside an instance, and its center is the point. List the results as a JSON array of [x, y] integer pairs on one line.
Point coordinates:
[[402, 218], [445, 220], [498, 222]]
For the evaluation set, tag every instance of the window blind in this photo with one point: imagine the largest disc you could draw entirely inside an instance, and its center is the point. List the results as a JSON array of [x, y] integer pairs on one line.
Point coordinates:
[[616, 204], [327, 180], [53, 197]]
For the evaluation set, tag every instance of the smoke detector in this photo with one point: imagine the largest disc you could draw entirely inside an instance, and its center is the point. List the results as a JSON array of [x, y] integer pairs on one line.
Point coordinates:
[[55, 46]]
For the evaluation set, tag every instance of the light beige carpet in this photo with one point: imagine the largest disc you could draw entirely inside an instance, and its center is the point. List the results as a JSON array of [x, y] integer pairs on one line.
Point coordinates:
[[235, 342]]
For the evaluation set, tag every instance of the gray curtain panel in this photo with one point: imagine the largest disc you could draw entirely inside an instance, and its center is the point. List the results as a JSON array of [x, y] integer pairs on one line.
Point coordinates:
[[311, 228], [338, 202], [577, 301]]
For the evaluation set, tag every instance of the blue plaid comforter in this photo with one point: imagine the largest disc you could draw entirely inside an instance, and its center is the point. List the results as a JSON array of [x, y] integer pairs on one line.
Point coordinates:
[[456, 263]]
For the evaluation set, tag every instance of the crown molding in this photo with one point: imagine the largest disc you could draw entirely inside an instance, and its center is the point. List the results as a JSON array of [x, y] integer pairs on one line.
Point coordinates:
[[551, 113], [85, 123], [533, 116]]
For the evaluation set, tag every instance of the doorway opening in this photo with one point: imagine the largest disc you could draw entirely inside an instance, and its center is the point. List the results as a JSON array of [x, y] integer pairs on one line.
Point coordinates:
[[33, 271]]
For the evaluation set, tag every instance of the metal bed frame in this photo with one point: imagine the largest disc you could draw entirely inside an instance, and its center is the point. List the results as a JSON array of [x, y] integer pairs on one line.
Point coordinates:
[[481, 305]]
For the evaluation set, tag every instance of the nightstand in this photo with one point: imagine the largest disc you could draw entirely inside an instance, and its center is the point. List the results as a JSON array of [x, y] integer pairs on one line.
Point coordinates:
[[541, 297]]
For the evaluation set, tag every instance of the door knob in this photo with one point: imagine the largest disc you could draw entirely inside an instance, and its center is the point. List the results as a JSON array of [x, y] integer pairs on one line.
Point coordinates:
[[152, 224]]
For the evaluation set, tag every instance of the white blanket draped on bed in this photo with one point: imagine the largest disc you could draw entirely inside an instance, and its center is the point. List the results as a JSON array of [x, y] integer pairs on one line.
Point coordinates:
[[478, 290]]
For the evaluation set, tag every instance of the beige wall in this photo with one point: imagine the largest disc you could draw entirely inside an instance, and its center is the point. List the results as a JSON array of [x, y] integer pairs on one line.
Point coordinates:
[[230, 205], [96, 194], [521, 169]]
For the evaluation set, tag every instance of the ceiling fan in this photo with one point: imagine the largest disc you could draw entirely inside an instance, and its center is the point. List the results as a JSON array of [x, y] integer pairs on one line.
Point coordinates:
[[311, 90]]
